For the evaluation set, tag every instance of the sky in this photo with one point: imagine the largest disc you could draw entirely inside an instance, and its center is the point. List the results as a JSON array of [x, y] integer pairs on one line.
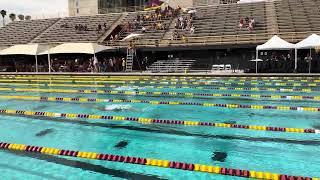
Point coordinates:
[[35, 8]]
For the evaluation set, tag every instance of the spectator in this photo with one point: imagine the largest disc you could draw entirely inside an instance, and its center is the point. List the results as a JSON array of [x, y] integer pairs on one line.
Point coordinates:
[[192, 29], [246, 20], [99, 28], [105, 26], [252, 22], [143, 29], [123, 64], [241, 22], [289, 57], [111, 64], [85, 27]]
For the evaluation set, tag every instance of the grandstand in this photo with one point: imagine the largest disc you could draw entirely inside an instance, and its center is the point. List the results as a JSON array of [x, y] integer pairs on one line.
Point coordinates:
[[216, 29], [291, 19]]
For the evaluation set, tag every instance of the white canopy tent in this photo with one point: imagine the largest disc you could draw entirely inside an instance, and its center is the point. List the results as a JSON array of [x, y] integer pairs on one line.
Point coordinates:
[[75, 48], [25, 49], [275, 43], [310, 42], [81, 48]]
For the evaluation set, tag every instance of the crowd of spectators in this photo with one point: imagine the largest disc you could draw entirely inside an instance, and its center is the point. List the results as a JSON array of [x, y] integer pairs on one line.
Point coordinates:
[[152, 21], [84, 27], [113, 64], [184, 23], [248, 23]]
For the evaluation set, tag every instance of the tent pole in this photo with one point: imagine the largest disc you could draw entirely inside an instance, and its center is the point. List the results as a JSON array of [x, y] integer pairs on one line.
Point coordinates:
[[257, 56], [49, 62], [36, 63], [310, 59], [295, 60]]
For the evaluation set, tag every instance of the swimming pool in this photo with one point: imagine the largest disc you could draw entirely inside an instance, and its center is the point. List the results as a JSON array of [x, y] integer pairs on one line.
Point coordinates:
[[256, 124]]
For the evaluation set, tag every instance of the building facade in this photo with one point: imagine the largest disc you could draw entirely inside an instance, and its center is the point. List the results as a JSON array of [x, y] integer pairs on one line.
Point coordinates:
[[91, 7]]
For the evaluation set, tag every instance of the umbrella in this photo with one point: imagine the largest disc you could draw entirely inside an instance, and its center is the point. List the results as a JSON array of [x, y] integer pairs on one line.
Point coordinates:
[[256, 60], [192, 11], [132, 36]]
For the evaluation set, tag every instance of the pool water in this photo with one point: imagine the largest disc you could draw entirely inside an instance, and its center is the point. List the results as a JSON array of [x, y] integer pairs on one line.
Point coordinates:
[[277, 152]]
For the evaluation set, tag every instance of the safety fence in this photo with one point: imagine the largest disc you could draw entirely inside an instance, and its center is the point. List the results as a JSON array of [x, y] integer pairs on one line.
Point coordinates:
[[150, 162], [168, 86], [161, 79], [241, 106], [159, 121], [166, 82]]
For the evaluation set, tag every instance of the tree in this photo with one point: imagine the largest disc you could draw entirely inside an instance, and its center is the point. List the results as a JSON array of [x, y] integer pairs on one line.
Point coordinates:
[[27, 17], [3, 14], [21, 17], [12, 16]]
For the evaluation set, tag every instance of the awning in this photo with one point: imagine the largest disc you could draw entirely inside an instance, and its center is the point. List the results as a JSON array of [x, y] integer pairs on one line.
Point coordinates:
[[310, 42], [75, 48], [276, 43], [132, 36], [24, 49]]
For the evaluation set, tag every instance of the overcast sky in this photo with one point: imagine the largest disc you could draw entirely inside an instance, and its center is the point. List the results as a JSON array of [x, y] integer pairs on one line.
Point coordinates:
[[34, 7]]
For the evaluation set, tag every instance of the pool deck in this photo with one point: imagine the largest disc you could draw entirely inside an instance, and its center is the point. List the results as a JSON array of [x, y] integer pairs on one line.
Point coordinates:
[[240, 74]]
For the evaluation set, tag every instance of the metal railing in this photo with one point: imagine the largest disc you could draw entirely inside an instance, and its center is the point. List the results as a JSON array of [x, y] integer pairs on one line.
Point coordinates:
[[217, 40]]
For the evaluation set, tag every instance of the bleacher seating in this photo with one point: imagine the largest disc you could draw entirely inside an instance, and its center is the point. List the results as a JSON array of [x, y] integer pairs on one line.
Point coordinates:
[[224, 20], [150, 33], [171, 66], [292, 20], [56, 33], [23, 32], [297, 16]]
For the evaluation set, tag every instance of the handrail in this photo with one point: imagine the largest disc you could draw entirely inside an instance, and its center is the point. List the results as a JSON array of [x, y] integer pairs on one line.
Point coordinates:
[[235, 39]]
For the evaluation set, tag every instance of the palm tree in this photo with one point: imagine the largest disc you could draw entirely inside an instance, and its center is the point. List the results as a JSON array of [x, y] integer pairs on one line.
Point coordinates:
[[3, 14], [12, 16], [27, 17], [21, 17]]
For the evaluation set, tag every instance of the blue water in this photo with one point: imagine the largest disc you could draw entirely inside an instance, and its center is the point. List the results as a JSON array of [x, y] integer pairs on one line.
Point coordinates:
[[285, 153]]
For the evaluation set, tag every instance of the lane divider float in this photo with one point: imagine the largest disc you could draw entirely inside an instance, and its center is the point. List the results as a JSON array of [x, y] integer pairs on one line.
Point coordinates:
[[176, 87], [242, 78], [253, 96], [128, 93], [151, 162], [159, 121], [163, 79], [165, 82]]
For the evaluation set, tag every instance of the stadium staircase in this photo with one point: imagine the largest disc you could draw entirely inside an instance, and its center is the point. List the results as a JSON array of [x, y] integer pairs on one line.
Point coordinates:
[[110, 31], [171, 66], [271, 18]]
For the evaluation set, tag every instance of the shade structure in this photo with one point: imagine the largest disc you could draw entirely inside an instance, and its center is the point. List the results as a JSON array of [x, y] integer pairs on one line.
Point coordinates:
[[24, 49], [276, 43], [132, 36], [310, 42], [77, 48]]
